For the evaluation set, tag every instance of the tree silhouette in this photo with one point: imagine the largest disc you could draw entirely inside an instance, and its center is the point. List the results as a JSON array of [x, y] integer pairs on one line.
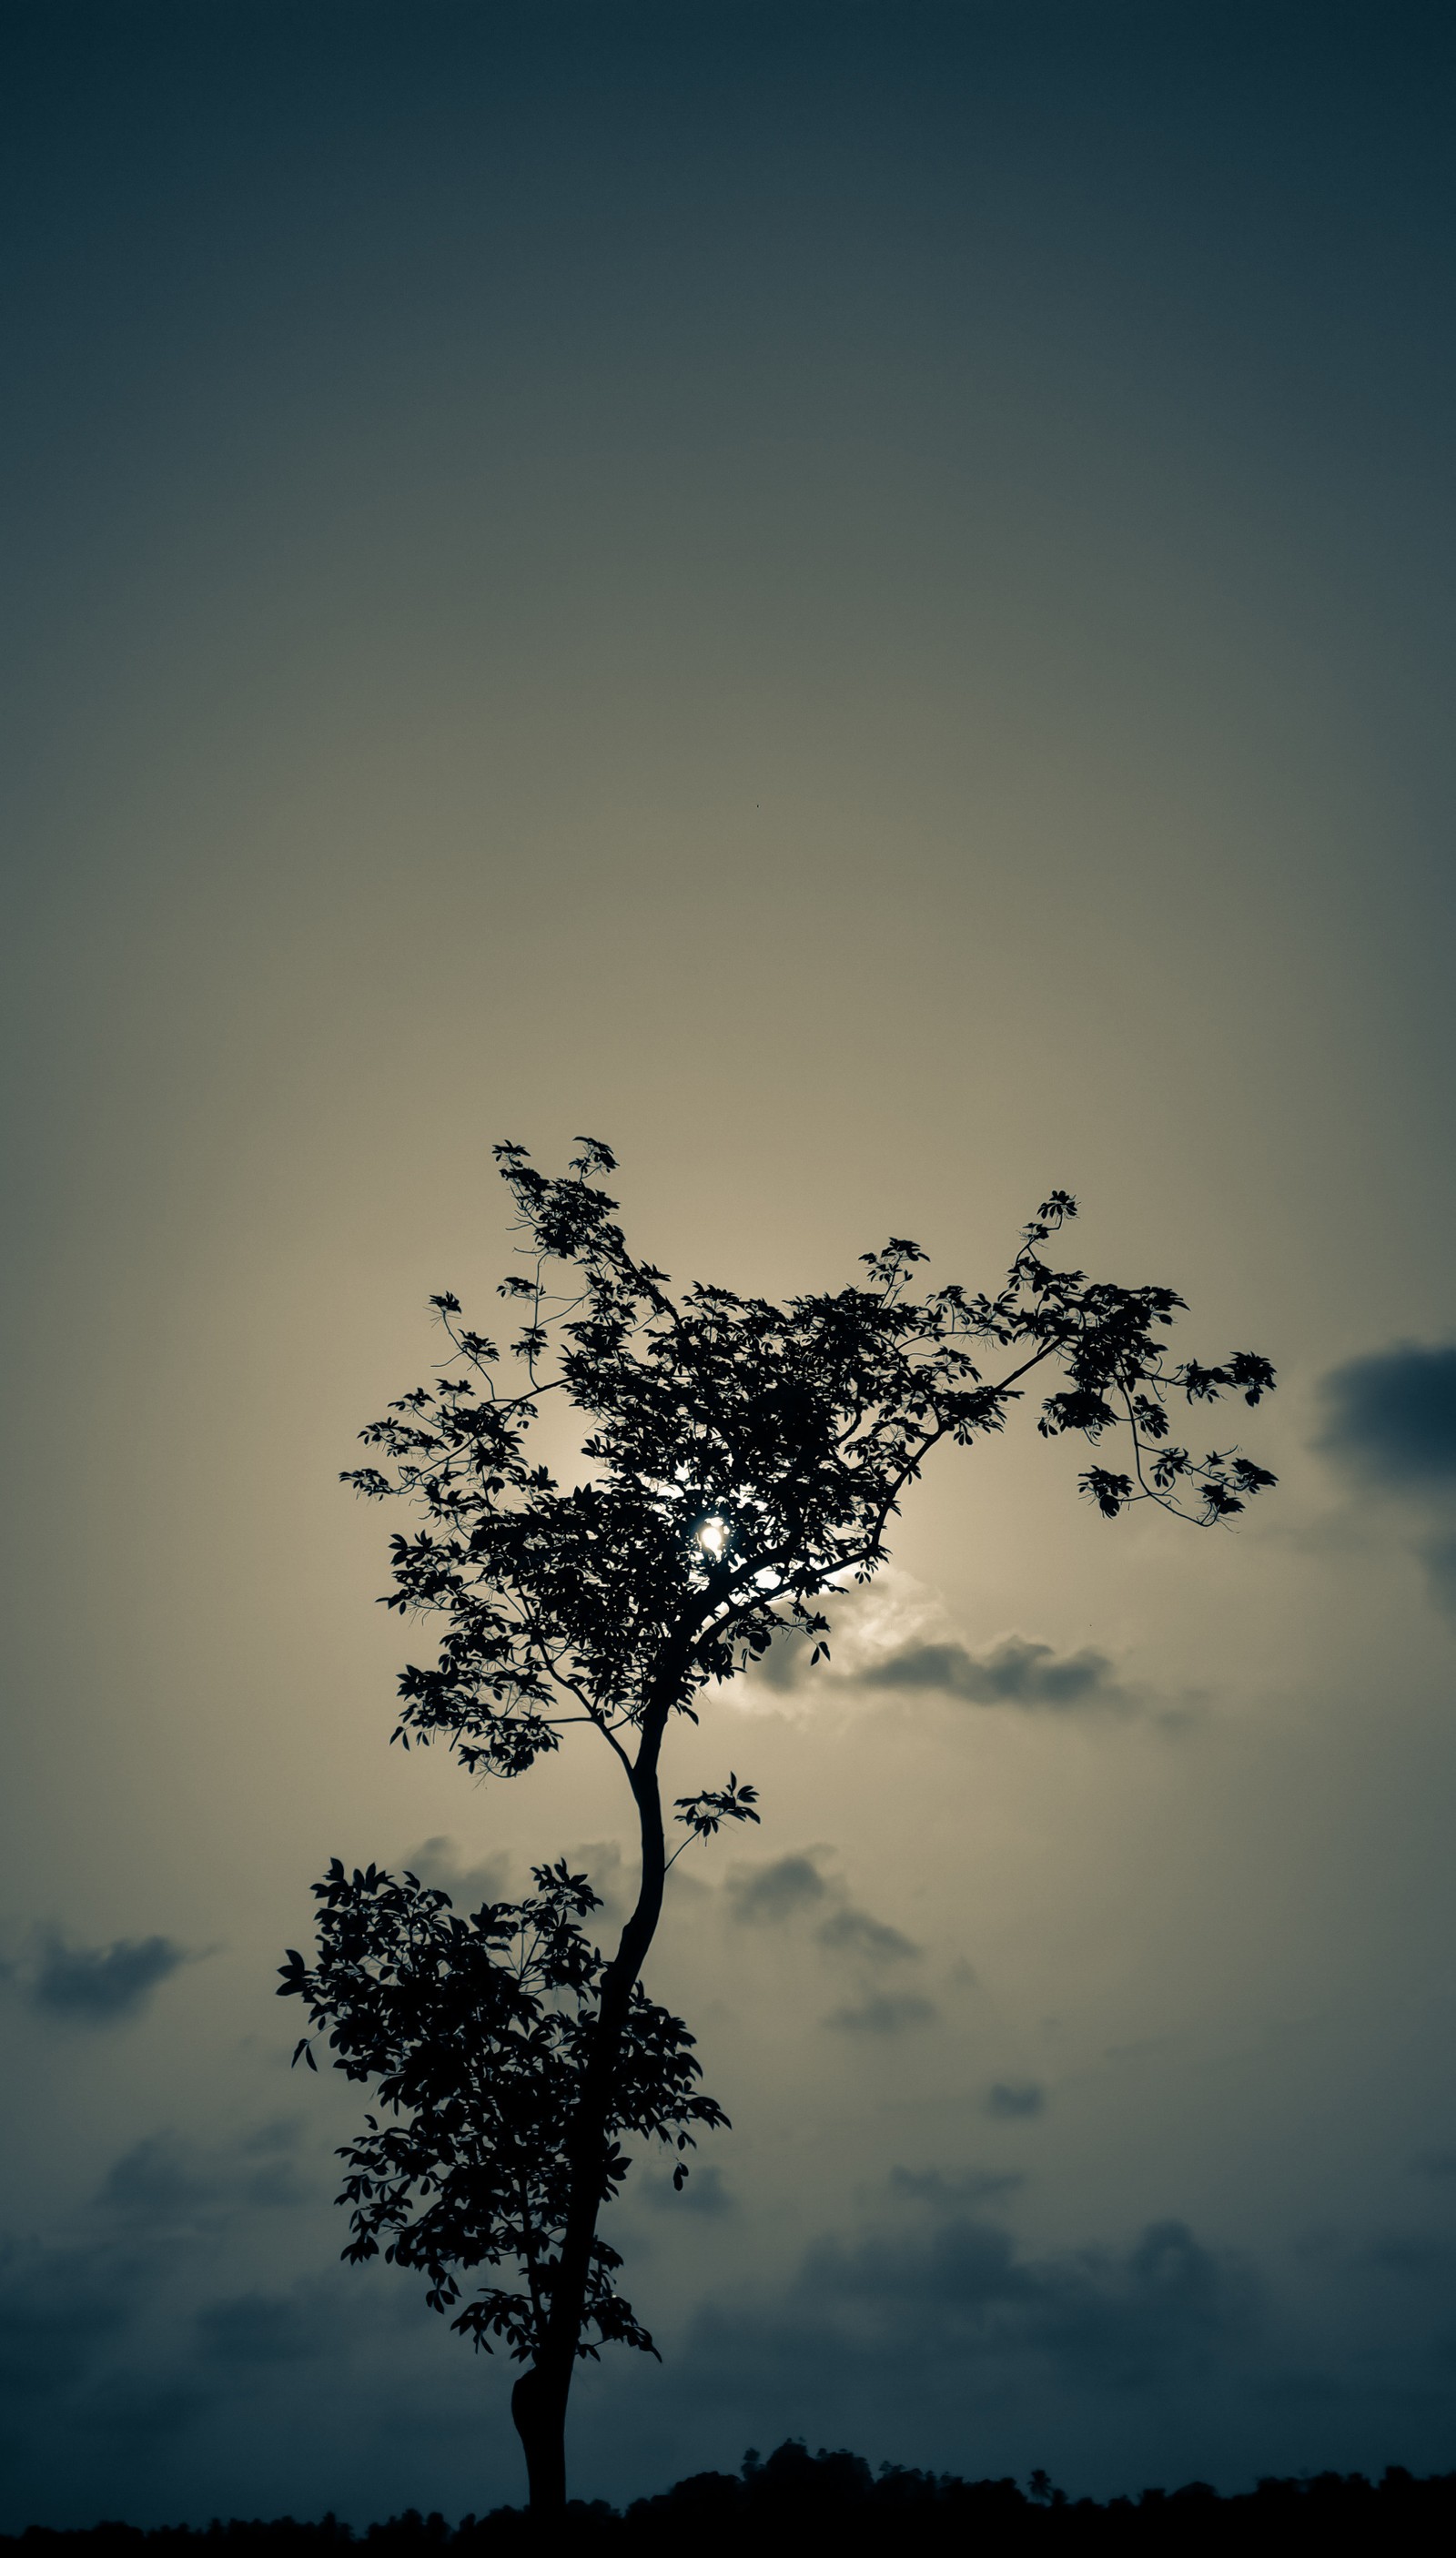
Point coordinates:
[[740, 1460]]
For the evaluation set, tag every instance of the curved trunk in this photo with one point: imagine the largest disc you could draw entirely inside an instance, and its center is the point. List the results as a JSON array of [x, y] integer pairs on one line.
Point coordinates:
[[539, 2399]]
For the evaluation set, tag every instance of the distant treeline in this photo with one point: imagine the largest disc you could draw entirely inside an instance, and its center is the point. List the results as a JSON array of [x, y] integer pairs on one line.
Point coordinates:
[[836, 2496]]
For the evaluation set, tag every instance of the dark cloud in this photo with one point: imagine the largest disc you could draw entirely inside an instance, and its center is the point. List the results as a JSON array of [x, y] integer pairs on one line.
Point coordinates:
[[785, 1662], [71, 2302], [961, 2191], [854, 1931], [267, 2172], [960, 2306], [1389, 1422], [59, 2306], [1391, 1417], [166, 2179], [257, 2326], [769, 1895], [888, 2013], [1015, 2099], [160, 2178], [94, 1984], [764, 1895], [1116, 2319], [1013, 1673], [1436, 2163], [101, 2332], [1413, 2251], [141, 2413]]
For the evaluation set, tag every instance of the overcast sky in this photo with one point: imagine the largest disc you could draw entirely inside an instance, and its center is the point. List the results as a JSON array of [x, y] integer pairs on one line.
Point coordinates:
[[857, 599]]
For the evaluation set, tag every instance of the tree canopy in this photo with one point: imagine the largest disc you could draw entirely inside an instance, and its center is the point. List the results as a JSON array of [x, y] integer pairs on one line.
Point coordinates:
[[743, 1457]]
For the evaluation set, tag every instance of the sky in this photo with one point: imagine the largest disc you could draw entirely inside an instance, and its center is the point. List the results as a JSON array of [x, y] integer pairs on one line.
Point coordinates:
[[857, 599]]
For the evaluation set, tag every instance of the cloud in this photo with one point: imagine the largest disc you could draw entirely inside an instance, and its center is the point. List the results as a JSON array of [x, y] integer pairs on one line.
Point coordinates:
[[887, 2012], [66, 2299], [1438, 1554], [102, 2330], [274, 2181], [1013, 1673], [888, 1635], [868, 1621], [957, 2192], [1391, 1417], [854, 1931], [704, 2190], [1113, 2317], [764, 1895], [60, 2305], [937, 2313], [1389, 1423], [160, 2178], [163, 2179], [259, 2328], [612, 1878], [1015, 2100], [438, 1863], [784, 1664], [1406, 2252], [140, 2413], [94, 1984]]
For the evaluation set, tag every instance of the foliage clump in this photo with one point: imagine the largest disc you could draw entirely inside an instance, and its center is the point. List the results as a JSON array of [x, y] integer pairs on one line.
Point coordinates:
[[475, 2031]]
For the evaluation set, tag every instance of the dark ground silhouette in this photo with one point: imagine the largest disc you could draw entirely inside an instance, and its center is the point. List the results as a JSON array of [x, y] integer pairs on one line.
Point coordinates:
[[834, 2498]]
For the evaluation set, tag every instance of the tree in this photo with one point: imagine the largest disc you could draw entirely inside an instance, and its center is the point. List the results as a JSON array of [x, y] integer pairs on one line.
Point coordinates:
[[742, 1461]]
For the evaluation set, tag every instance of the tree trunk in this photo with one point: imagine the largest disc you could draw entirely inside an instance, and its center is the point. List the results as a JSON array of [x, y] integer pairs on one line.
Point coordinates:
[[539, 2400], [539, 2414]]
